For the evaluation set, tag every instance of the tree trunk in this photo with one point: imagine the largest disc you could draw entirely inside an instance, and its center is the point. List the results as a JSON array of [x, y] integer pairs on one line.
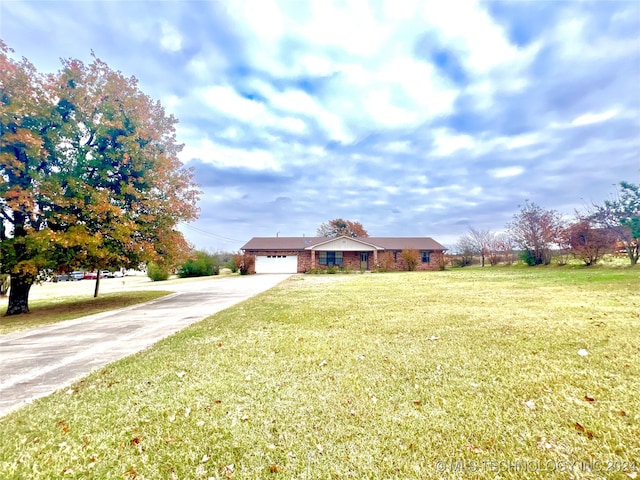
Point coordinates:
[[95, 291], [19, 295], [633, 252]]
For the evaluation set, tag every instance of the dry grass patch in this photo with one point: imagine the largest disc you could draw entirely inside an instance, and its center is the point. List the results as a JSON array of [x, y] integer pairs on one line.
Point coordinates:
[[410, 375]]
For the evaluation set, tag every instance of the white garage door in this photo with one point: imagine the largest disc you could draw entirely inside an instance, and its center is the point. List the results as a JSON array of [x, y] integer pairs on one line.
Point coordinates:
[[276, 264]]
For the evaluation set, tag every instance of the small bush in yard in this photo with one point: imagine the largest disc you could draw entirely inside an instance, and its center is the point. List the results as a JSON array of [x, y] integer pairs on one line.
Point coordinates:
[[201, 264], [411, 258], [440, 259], [386, 262], [244, 263], [157, 273], [231, 265]]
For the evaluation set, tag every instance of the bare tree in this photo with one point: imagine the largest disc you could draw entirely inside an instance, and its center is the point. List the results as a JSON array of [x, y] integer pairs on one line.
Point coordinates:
[[495, 250], [535, 230], [464, 251], [504, 245], [588, 243], [481, 240], [621, 216]]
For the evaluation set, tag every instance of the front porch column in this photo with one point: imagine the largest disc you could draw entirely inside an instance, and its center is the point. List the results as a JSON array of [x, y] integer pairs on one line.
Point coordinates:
[[313, 259], [375, 258]]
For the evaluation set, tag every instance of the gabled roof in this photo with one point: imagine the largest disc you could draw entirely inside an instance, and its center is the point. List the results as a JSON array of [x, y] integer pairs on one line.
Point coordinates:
[[302, 243], [282, 243], [352, 244], [400, 243]]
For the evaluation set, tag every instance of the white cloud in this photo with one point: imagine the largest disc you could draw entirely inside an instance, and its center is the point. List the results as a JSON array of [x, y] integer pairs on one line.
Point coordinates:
[[300, 102], [446, 142], [220, 155], [506, 172], [228, 101], [208, 66], [170, 40], [397, 147], [469, 28], [590, 118]]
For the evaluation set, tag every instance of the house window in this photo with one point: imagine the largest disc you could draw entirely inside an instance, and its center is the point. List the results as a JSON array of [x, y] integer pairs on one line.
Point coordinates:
[[395, 255], [425, 257], [330, 258]]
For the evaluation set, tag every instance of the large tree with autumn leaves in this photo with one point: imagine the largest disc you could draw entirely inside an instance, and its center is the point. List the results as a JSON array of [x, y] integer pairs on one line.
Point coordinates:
[[89, 174], [339, 227]]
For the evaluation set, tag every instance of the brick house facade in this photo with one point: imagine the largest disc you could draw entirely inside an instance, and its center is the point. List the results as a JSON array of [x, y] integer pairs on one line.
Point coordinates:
[[303, 254]]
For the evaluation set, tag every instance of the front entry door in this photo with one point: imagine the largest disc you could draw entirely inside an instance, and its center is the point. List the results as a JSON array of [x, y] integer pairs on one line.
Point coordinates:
[[364, 261]]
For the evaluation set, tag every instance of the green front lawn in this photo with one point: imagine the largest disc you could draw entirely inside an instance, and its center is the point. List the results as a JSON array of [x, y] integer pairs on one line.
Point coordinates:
[[483, 373], [57, 309]]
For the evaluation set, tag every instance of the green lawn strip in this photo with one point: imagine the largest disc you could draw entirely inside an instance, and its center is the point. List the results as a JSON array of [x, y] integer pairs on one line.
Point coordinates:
[[364, 376], [52, 310]]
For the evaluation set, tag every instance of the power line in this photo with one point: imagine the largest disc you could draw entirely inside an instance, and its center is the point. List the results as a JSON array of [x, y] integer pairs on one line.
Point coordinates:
[[212, 235]]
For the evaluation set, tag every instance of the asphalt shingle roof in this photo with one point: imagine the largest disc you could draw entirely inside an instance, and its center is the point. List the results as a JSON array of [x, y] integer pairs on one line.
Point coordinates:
[[300, 243]]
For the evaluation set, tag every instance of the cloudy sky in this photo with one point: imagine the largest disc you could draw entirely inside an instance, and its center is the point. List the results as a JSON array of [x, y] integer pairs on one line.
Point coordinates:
[[413, 117]]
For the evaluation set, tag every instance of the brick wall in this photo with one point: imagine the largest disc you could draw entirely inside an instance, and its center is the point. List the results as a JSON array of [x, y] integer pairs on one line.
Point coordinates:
[[434, 263], [351, 260]]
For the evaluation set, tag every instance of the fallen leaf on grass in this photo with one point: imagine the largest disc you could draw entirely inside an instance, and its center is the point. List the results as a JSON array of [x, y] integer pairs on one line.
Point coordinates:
[[205, 458], [632, 475], [544, 444], [622, 413], [274, 468], [322, 363], [417, 403], [433, 338], [181, 374], [131, 474], [219, 345], [228, 470], [136, 443], [589, 399], [474, 449], [530, 404], [583, 430]]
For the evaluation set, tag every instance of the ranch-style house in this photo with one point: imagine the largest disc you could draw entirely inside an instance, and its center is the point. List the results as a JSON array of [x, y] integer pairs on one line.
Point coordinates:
[[302, 254]]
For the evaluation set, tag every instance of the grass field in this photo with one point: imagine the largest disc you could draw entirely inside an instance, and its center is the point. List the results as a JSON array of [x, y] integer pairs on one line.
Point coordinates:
[[481, 373], [44, 311]]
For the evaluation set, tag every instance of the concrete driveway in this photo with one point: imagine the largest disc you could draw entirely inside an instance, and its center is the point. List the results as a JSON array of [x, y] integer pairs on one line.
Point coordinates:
[[36, 362]]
